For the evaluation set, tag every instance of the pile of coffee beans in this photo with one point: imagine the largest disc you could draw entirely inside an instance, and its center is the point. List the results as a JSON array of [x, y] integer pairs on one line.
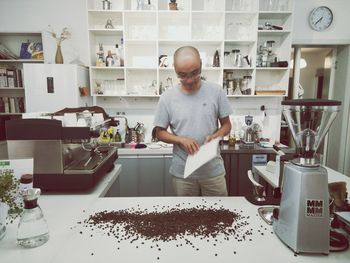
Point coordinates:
[[167, 225], [184, 224]]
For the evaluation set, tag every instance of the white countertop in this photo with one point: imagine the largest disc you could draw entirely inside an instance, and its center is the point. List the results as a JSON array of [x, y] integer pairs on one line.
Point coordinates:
[[152, 149], [67, 244], [272, 178]]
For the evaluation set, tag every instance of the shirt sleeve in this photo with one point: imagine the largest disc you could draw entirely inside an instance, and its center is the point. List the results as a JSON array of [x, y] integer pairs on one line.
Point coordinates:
[[224, 105], [161, 118]]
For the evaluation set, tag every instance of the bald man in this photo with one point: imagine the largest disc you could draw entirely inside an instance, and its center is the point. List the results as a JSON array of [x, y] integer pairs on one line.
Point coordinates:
[[192, 109]]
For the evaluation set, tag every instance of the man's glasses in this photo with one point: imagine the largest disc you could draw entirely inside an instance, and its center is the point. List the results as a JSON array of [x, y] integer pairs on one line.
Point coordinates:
[[194, 74]]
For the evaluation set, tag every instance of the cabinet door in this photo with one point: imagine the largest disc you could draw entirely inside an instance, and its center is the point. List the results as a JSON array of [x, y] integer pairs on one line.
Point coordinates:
[[151, 176], [168, 185], [128, 178], [231, 167], [244, 164]]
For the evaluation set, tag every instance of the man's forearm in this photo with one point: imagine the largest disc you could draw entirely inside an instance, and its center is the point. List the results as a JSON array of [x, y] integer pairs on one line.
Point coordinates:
[[165, 136], [224, 129]]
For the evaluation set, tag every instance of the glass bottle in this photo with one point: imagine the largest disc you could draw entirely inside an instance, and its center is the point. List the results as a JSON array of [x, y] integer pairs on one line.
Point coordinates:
[[117, 137], [216, 59], [26, 182], [121, 52], [109, 59], [32, 227]]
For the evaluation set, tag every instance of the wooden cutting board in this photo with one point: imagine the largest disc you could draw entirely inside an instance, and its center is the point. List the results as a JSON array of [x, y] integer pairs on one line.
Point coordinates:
[[270, 92]]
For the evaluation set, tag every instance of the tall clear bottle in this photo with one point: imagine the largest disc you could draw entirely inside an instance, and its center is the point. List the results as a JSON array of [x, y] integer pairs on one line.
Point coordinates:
[[121, 52], [32, 228]]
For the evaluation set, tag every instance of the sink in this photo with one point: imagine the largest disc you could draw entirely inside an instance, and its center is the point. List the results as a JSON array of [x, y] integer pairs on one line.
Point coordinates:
[[266, 213]]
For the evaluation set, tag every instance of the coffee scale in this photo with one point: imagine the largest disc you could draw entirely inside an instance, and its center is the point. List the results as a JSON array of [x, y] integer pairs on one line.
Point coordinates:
[[302, 221]]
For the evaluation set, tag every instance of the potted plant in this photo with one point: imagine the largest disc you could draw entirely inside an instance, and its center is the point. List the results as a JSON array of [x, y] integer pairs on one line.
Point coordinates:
[[10, 204]]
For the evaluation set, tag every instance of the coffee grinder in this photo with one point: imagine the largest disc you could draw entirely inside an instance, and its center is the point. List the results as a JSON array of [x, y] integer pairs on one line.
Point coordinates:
[[302, 221]]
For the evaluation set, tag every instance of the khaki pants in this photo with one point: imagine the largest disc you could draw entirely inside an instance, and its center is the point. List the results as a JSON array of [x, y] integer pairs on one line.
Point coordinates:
[[213, 186]]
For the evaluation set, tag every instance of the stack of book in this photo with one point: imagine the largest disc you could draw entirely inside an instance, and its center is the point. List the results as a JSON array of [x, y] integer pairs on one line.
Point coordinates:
[[10, 77], [12, 105]]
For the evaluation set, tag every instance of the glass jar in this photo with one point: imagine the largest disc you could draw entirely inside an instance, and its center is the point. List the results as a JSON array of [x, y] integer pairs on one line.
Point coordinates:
[[236, 86], [245, 85], [32, 227], [235, 54], [227, 60]]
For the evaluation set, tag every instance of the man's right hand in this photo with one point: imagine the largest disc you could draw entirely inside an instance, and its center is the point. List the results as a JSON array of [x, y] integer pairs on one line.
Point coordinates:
[[189, 145]]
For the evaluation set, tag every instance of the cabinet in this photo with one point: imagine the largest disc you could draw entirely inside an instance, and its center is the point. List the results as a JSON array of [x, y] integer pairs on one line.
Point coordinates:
[[143, 175], [236, 166], [11, 68], [150, 33]]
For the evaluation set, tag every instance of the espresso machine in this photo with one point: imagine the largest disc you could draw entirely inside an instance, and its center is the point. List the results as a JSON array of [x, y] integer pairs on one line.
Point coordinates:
[[302, 221], [65, 158]]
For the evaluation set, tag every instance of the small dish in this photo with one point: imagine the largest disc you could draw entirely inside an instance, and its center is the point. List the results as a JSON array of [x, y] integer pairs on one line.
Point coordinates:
[[154, 146], [266, 213]]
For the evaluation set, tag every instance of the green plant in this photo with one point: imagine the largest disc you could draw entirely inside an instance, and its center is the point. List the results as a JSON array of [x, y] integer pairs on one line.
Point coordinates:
[[9, 193]]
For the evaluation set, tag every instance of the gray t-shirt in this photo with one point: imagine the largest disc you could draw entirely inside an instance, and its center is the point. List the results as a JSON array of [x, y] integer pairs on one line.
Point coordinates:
[[193, 116]]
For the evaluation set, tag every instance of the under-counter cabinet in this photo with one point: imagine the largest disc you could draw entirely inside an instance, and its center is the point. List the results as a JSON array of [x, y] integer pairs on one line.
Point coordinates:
[[236, 166], [143, 175]]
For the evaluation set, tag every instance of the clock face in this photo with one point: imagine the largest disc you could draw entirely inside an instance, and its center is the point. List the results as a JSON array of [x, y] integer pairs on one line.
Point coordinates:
[[321, 18]]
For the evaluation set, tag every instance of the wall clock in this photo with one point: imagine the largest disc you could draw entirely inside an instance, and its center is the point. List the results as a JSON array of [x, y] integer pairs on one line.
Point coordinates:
[[321, 18]]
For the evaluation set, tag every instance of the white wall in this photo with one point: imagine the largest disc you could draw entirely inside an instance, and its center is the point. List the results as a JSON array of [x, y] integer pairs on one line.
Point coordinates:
[[338, 33], [36, 15]]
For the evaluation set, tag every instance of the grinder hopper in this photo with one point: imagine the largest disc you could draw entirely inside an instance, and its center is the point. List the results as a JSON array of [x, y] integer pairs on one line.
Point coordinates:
[[309, 121]]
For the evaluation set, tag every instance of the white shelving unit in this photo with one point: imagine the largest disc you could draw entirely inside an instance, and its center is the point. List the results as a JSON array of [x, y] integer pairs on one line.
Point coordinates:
[[152, 31], [15, 95]]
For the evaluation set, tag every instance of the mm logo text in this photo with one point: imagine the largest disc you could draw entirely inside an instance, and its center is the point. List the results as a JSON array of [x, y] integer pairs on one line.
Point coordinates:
[[314, 207]]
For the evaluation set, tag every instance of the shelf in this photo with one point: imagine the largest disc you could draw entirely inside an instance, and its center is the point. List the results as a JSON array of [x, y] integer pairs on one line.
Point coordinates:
[[138, 12], [140, 68], [106, 32], [274, 15], [208, 25], [103, 12], [273, 32], [10, 114], [21, 61], [107, 68], [239, 42], [239, 68], [189, 42], [272, 68], [128, 96], [7, 88], [249, 13], [240, 96], [140, 41], [179, 12]]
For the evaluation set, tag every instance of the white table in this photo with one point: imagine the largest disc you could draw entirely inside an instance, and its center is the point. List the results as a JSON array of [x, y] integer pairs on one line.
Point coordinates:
[[272, 178], [67, 244]]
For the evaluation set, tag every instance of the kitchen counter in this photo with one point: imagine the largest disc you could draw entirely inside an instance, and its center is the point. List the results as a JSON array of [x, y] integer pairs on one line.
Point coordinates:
[[167, 149], [71, 242]]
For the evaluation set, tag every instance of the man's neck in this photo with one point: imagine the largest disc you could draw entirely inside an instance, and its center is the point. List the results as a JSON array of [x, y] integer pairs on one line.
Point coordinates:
[[191, 91]]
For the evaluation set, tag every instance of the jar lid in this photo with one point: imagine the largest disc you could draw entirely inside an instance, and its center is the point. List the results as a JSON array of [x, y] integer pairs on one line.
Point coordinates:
[[26, 179]]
